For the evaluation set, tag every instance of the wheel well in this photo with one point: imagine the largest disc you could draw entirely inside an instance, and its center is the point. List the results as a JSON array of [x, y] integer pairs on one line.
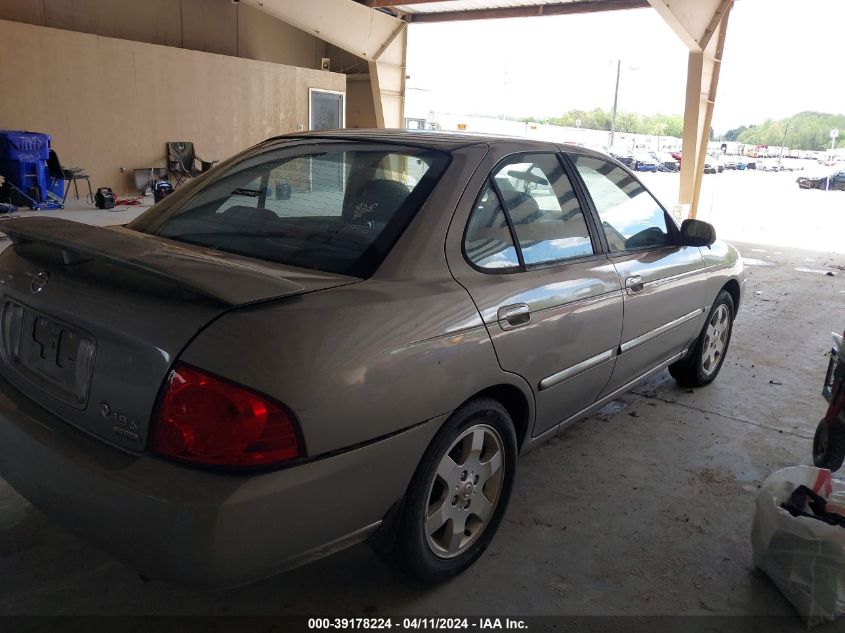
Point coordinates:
[[514, 401], [732, 287]]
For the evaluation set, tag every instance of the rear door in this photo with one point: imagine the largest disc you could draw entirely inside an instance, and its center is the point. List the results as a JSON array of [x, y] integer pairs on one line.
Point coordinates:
[[531, 259], [664, 282]]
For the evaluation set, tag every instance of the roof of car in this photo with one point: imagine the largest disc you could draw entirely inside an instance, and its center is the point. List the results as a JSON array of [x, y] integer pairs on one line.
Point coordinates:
[[445, 141]]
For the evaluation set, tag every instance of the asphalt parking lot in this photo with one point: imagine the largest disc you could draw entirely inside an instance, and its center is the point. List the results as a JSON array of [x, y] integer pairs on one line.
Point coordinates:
[[644, 508], [765, 207]]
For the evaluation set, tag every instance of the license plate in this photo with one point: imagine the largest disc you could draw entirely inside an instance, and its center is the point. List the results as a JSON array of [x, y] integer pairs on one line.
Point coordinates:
[[52, 354]]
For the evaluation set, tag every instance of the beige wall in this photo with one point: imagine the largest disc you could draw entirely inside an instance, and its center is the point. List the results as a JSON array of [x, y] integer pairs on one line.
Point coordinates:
[[112, 103], [213, 26]]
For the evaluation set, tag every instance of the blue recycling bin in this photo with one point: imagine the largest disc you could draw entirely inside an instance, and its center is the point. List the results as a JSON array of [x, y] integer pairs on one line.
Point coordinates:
[[23, 161]]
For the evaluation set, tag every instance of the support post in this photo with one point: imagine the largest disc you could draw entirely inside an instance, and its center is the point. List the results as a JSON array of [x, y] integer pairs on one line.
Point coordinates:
[[702, 82], [387, 74]]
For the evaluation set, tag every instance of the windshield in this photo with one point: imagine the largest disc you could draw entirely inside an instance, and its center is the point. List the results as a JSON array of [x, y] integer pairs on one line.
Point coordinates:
[[334, 207]]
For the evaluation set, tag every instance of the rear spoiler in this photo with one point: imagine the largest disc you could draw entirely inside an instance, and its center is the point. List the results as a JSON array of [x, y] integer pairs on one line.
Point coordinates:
[[221, 279]]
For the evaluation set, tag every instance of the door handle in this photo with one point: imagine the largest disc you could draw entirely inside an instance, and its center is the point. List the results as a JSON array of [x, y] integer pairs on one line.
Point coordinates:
[[514, 316], [634, 284]]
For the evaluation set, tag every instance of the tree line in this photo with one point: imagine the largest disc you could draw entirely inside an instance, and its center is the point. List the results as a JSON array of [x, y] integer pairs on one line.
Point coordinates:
[[805, 130], [598, 119]]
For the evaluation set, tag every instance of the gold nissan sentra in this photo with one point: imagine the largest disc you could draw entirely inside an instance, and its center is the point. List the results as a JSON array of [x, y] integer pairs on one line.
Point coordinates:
[[336, 337]]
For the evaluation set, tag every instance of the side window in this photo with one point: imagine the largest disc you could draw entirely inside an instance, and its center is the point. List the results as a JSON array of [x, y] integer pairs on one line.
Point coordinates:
[[631, 218], [546, 216], [488, 242]]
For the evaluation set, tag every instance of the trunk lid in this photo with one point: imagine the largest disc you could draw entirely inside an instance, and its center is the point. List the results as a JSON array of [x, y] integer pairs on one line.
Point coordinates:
[[92, 318]]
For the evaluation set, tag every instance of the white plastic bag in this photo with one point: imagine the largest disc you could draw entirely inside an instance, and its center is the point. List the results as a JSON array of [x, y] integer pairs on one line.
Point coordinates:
[[804, 557]]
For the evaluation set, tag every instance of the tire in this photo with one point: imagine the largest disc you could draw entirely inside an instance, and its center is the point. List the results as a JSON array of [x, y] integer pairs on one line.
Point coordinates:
[[829, 445], [705, 361], [428, 545]]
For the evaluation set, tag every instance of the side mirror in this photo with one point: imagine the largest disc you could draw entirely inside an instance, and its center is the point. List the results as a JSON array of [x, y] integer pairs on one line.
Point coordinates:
[[697, 233]]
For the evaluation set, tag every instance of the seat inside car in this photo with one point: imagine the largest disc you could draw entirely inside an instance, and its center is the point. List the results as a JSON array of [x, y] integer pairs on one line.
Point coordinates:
[[376, 201], [523, 208], [241, 218]]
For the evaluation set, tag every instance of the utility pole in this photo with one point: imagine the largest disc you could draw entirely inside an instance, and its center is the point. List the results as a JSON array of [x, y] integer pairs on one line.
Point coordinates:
[[782, 143], [615, 100]]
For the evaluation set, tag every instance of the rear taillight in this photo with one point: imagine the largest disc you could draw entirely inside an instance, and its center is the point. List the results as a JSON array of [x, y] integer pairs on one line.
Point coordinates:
[[208, 420]]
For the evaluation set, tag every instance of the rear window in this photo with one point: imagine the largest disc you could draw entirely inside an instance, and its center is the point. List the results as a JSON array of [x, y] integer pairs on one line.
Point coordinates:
[[337, 208]]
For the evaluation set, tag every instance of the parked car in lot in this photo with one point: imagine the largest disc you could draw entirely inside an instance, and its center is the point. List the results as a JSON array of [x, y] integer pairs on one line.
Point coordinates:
[[665, 162], [238, 382], [775, 164], [834, 180], [625, 158], [644, 161]]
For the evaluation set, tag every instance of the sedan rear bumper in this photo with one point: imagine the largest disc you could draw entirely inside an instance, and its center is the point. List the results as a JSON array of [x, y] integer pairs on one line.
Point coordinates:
[[196, 527]]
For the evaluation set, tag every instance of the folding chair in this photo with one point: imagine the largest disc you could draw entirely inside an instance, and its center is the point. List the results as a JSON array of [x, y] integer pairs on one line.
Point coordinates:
[[182, 161], [69, 174]]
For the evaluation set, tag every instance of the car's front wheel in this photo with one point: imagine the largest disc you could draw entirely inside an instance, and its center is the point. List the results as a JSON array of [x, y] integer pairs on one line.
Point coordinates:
[[459, 492], [702, 365]]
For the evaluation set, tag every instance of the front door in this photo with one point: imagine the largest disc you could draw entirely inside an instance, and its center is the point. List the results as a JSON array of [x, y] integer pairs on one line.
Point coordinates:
[[663, 281], [552, 302]]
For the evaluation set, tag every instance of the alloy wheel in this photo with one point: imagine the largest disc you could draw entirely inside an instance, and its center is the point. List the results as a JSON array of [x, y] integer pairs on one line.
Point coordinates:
[[716, 338], [464, 491]]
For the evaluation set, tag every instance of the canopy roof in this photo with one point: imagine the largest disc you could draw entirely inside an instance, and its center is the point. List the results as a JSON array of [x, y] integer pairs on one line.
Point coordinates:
[[447, 10]]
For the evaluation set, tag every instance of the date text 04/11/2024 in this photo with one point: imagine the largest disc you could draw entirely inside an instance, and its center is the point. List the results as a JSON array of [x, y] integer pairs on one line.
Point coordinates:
[[431, 624]]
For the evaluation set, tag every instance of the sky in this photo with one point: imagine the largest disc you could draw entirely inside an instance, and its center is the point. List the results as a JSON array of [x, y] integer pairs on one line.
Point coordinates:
[[781, 57]]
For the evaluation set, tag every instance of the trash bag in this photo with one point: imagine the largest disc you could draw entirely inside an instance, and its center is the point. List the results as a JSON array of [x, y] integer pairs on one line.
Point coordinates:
[[804, 557]]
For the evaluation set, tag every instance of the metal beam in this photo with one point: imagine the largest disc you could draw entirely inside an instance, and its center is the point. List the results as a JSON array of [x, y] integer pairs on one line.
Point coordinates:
[[386, 4], [373, 35], [387, 76], [351, 26], [714, 23], [694, 21], [561, 8], [702, 82]]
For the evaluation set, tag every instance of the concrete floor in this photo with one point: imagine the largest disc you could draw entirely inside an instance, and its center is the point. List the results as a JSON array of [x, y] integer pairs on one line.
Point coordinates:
[[644, 508], [81, 211]]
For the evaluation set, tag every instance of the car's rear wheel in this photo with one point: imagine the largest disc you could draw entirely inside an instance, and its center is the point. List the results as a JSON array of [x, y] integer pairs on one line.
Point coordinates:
[[459, 492], [705, 361]]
